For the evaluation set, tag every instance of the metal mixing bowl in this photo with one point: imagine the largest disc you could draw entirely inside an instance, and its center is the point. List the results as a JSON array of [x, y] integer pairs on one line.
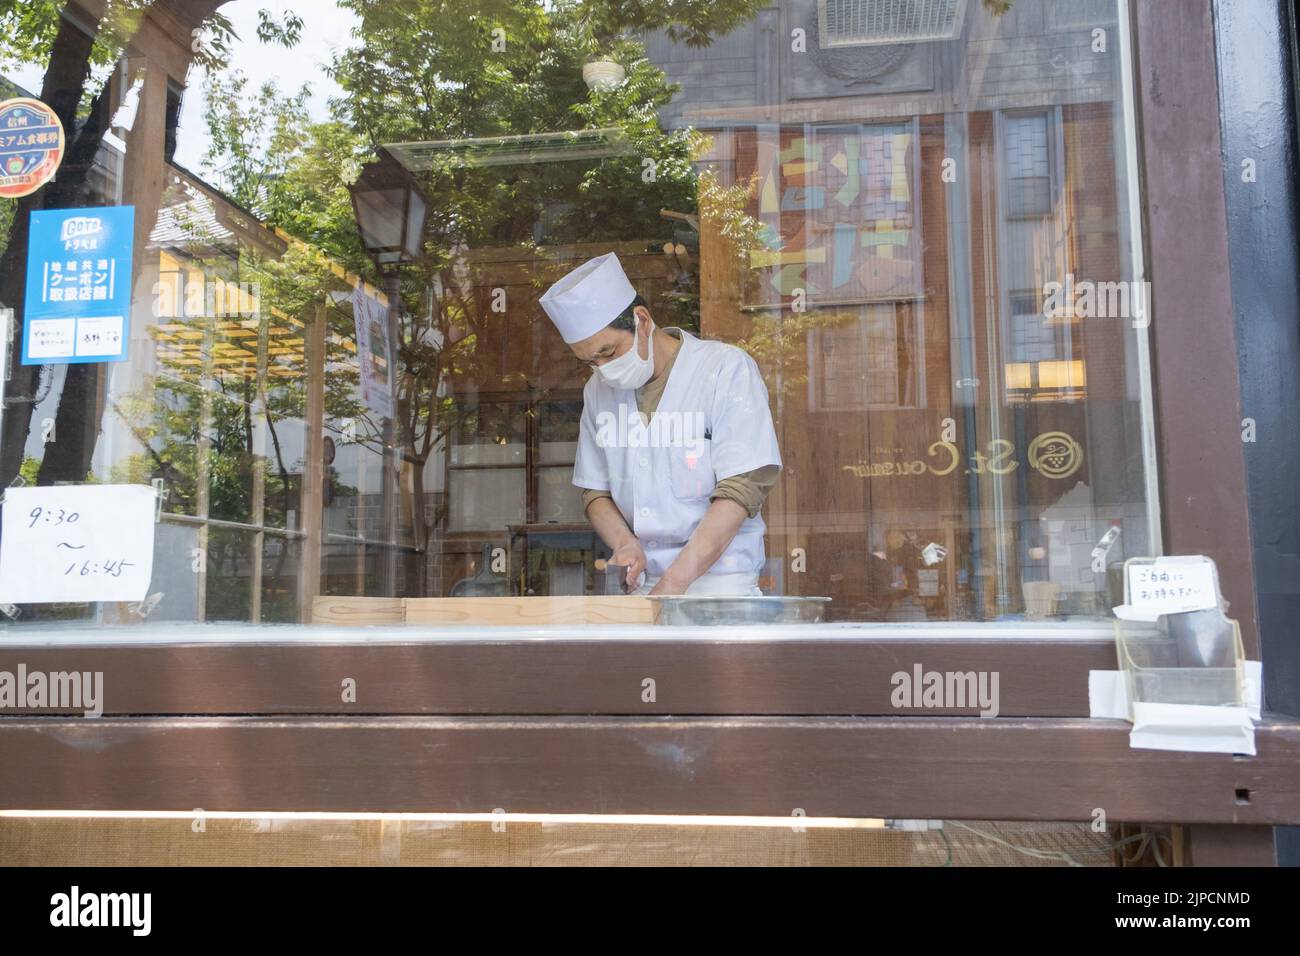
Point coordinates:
[[709, 610]]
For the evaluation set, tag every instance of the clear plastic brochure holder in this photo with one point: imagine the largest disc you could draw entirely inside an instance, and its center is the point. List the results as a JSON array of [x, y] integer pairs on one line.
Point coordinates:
[[1179, 657]]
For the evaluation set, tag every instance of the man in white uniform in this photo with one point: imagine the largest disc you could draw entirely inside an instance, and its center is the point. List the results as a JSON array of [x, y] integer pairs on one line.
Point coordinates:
[[676, 450]]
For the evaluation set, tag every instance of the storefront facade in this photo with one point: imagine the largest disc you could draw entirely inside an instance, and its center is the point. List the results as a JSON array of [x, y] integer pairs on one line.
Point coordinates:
[[987, 260]]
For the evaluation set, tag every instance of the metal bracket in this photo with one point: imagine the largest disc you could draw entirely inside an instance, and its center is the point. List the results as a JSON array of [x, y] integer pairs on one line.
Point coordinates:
[[160, 492], [7, 335], [1103, 548], [18, 482], [913, 826], [143, 609]]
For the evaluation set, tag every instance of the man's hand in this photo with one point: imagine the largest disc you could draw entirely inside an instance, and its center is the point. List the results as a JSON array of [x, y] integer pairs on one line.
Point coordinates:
[[613, 530], [707, 543], [633, 555], [669, 585]]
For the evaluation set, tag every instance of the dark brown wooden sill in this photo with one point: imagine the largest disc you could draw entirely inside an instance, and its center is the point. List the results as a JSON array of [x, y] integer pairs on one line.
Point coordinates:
[[693, 675], [912, 767]]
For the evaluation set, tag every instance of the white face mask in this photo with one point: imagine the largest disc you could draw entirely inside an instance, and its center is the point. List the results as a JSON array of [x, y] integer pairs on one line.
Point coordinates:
[[630, 370]]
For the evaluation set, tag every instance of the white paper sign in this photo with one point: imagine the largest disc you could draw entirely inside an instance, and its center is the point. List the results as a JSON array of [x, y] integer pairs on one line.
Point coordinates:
[[373, 352], [1169, 586], [75, 543]]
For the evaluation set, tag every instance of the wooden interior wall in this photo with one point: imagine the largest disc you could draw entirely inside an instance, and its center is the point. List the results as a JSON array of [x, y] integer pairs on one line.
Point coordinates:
[[822, 505], [833, 500]]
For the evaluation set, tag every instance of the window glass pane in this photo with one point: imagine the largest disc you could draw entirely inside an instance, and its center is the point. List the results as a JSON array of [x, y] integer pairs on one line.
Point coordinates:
[[291, 280], [557, 499], [487, 499]]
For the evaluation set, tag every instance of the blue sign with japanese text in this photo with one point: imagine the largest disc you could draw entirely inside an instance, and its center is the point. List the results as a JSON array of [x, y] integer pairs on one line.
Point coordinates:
[[78, 285]]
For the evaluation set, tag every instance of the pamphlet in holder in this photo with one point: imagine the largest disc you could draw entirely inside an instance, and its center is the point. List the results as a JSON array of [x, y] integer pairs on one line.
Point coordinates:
[[1174, 642]]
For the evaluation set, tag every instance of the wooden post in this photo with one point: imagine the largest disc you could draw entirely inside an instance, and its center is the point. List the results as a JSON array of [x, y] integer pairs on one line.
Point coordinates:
[[313, 469], [258, 458]]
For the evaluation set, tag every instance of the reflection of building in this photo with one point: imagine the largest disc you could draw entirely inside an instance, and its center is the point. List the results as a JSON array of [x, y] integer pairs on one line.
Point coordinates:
[[241, 406], [911, 202], [902, 206], [498, 450], [222, 370], [908, 204]]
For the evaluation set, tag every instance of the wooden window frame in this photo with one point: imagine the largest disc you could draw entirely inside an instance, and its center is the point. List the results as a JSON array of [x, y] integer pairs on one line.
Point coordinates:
[[740, 724]]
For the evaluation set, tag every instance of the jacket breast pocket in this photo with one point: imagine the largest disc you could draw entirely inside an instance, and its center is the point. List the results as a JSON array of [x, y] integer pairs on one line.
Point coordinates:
[[691, 470]]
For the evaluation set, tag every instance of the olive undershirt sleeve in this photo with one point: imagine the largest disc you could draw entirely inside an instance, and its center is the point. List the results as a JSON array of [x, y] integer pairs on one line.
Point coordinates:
[[749, 489], [588, 496]]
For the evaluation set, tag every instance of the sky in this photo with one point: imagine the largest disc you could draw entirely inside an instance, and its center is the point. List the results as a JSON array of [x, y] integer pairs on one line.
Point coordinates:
[[326, 28]]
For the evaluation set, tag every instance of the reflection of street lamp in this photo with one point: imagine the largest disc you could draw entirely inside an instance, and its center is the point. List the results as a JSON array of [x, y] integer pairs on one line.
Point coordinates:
[[390, 211], [602, 75]]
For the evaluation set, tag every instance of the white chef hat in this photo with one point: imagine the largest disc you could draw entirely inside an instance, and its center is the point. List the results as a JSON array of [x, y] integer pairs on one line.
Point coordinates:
[[588, 298]]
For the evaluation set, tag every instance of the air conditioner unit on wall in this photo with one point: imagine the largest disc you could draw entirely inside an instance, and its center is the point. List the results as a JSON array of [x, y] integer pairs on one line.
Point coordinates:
[[844, 23]]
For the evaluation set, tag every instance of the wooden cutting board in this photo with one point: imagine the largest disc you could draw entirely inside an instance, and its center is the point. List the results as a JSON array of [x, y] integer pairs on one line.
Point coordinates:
[[483, 611]]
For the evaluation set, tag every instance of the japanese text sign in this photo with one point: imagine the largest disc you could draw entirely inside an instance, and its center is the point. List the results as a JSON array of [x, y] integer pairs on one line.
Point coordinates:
[[31, 146], [1169, 585], [78, 285]]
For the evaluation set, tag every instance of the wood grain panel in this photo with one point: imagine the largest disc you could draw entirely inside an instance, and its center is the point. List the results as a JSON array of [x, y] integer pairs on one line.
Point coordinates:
[[1195, 375], [412, 671], [954, 768], [334, 609], [491, 611]]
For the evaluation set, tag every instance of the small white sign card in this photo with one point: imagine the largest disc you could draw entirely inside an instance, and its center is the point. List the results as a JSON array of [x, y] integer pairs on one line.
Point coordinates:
[[77, 543], [1169, 585]]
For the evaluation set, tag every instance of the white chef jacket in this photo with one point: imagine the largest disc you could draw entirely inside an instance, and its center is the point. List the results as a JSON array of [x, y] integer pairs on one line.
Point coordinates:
[[712, 422]]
